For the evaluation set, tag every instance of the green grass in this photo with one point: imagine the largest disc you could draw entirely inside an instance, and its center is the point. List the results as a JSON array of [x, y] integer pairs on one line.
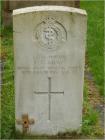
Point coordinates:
[[90, 127], [7, 98], [95, 40]]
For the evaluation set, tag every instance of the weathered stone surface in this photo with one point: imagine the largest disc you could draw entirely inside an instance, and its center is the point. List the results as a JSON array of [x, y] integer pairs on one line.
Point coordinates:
[[49, 47]]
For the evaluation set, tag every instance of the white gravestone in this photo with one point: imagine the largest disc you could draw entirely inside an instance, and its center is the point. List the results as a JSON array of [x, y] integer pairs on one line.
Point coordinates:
[[49, 47]]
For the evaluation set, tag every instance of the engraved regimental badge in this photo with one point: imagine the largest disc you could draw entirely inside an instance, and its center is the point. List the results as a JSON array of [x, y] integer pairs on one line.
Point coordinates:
[[50, 34]]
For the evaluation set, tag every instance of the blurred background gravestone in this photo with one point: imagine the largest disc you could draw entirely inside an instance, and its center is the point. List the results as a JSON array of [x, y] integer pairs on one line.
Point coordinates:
[[15, 4]]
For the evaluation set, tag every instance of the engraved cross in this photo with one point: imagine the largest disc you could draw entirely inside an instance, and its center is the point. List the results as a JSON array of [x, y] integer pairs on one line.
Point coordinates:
[[49, 92]]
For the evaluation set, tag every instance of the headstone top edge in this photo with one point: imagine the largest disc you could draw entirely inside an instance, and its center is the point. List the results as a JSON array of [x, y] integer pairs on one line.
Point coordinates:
[[48, 8]]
